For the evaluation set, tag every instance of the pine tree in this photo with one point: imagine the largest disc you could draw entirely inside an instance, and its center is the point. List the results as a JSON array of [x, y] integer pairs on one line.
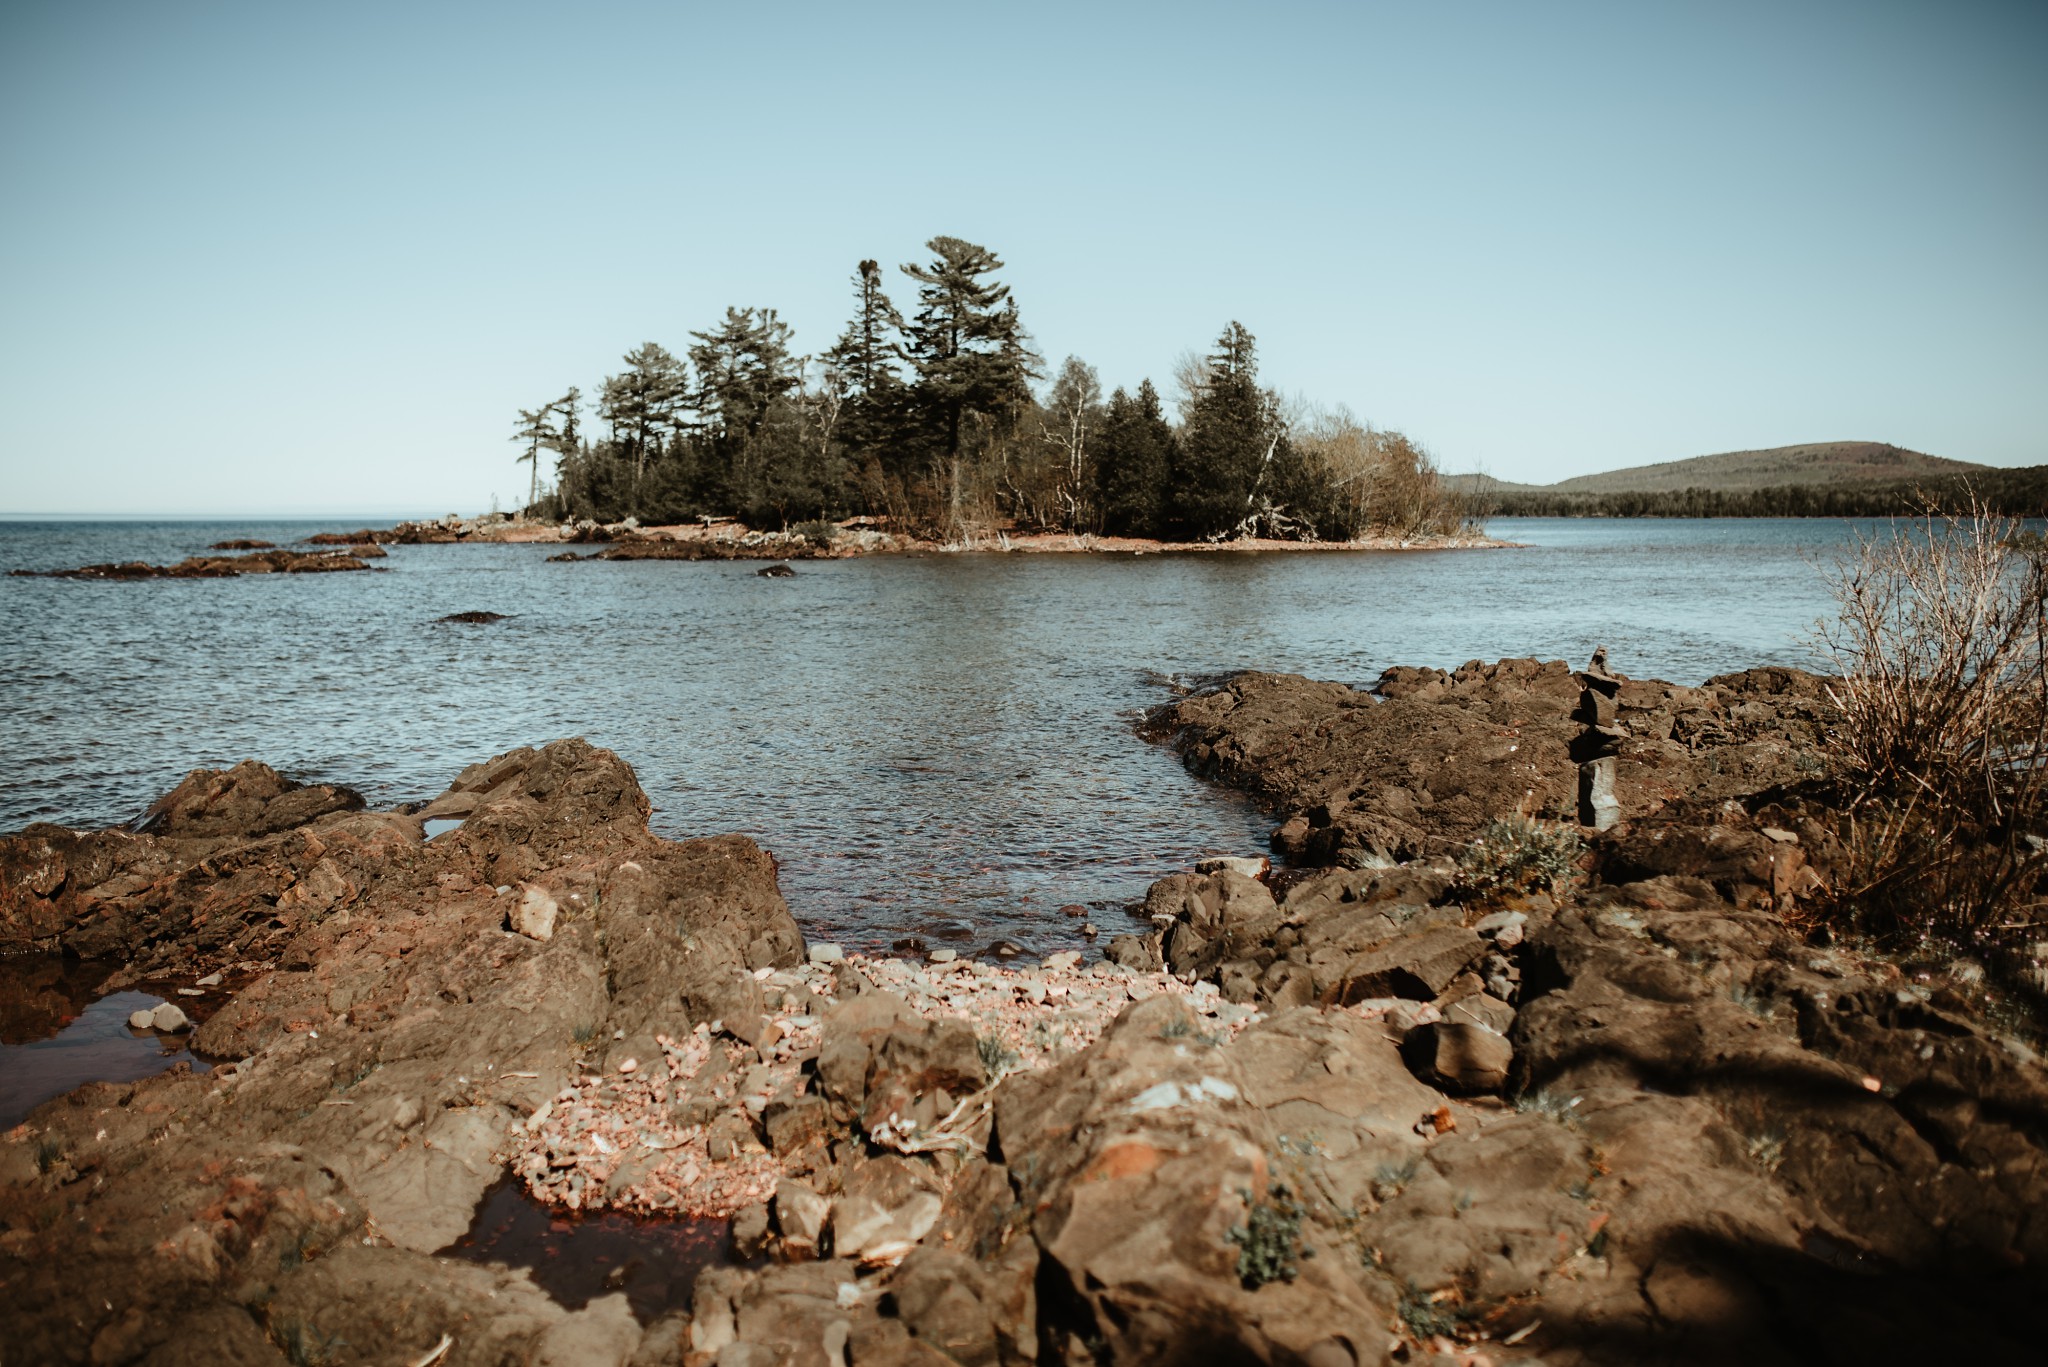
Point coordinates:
[[862, 364], [745, 373], [1135, 456], [536, 429], [969, 351], [1233, 433], [643, 404]]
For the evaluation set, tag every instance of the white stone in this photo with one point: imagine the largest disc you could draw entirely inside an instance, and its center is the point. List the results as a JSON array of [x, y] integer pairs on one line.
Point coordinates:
[[534, 914], [824, 952], [170, 1019], [1253, 866], [138, 1020]]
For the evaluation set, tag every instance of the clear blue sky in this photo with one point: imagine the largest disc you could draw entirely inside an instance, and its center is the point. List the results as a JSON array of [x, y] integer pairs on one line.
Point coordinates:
[[264, 257]]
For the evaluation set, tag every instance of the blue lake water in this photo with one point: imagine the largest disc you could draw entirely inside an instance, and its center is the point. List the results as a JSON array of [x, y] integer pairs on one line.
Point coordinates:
[[929, 745]]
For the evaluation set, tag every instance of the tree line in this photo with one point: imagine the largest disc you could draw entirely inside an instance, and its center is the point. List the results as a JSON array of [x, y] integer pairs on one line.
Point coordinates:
[[2021, 492], [932, 422]]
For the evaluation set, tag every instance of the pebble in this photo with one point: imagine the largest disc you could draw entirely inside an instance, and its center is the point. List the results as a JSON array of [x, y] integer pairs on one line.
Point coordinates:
[[572, 1153], [138, 1020], [944, 956], [210, 980], [191, 992], [170, 1019], [824, 952]]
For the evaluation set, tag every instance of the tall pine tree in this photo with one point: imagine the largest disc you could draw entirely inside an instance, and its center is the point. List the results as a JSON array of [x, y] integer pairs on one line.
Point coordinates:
[[862, 364], [970, 354], [1233, 433]]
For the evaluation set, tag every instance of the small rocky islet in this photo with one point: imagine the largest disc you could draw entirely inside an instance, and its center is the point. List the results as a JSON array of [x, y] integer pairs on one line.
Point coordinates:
[[1387, 1102], [247, 557]]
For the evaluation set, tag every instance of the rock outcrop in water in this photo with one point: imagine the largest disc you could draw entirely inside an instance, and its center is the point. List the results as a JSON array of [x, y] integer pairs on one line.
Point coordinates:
[[355, 557], [1603, 1105]]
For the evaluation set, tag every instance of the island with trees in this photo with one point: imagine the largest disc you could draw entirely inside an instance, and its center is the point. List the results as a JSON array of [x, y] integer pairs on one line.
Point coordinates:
[[931, 426]]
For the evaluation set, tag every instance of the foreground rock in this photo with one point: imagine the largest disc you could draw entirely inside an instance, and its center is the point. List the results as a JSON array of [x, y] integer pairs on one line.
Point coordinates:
[[1601, 1109], [390, 1030], [1761, 1147]]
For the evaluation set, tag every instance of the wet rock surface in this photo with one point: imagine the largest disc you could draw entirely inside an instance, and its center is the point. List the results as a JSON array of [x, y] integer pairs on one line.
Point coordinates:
[[1373, 1110]]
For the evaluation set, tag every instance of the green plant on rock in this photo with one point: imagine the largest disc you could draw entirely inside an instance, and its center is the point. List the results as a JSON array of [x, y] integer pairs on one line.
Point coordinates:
[[1520, 853], [1269, 1242], [1391, 1179], [997, 1057], [49, 1149], [1551, 1105], [1428, 1316]]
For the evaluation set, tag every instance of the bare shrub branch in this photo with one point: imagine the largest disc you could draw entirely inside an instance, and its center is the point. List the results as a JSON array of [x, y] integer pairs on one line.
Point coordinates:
[[1943, 691]]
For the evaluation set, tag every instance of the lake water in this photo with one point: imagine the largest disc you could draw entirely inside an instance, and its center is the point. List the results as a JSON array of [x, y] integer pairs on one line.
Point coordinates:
[[936, 746]]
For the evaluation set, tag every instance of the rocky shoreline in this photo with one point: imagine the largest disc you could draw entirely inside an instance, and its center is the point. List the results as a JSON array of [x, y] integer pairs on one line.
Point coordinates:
[[715, 540], [1461, 1083], [725, 539]]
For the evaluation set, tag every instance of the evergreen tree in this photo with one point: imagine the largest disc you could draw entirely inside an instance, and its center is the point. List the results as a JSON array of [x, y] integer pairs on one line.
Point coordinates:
[[1233, 434], [969, 352], [1135, 456], [644, 405], [867, 352], [745, 374], [536, 429], [862, 365]]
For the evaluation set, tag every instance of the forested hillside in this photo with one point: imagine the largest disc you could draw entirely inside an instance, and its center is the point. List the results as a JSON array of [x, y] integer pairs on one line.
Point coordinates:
[[2021, 492]]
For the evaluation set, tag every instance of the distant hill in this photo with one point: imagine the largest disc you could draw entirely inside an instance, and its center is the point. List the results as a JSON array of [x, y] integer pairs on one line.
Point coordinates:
[[1823, 462], [1822, 479]]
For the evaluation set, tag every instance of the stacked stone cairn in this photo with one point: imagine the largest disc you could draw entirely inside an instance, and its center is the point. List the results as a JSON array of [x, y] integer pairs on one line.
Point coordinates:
[[1596, 747]]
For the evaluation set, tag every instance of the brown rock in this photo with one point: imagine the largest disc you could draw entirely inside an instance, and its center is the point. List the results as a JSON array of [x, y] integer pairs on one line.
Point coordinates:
[[1417, 966], [1460, 1056]]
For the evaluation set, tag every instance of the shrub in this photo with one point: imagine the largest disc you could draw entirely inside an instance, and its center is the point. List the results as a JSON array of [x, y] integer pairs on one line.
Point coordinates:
[[996, 1057], [49, 1149], [1518, 852], [1943, 732], [1269, 1242]]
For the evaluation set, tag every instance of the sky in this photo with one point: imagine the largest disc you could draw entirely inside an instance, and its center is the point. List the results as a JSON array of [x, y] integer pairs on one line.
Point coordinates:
[[261, 258]]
